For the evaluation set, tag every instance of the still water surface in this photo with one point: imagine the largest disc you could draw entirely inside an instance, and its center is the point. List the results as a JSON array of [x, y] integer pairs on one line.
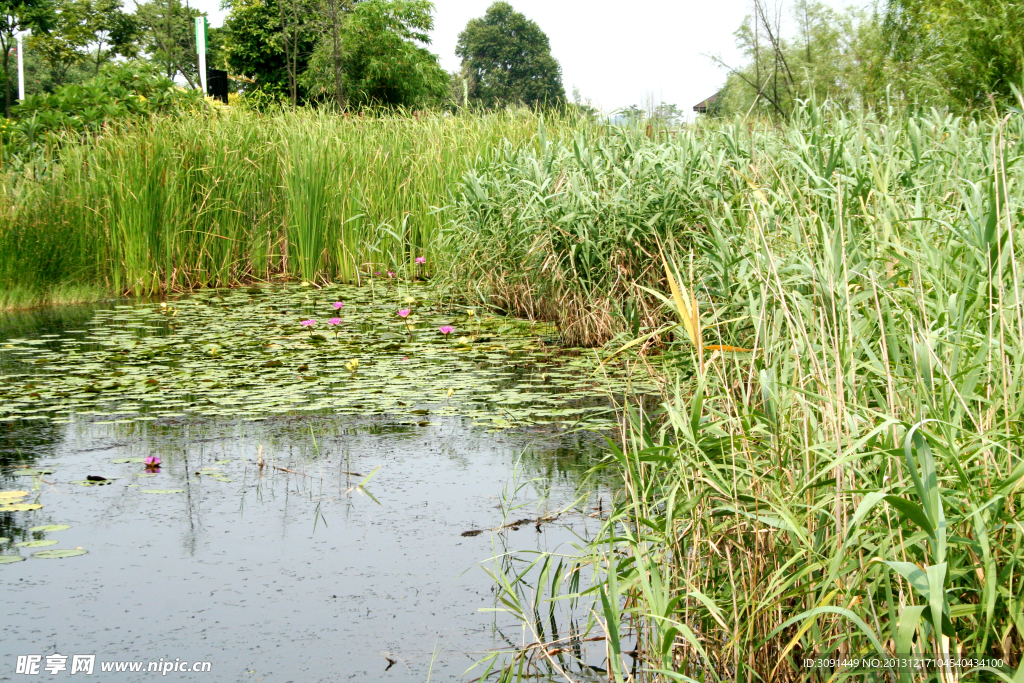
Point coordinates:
[[289, 572]]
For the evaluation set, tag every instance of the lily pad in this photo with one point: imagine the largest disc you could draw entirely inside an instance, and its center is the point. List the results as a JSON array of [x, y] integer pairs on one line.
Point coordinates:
[[20, 507], [8, 559], [59, 554], [163, 490], [32, 473], [121, 461], [6, 495], [34, 544], [50, 527]]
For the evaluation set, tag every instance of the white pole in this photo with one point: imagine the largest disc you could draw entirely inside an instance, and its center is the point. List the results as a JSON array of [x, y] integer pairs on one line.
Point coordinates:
[[21, 66], [201, 49]]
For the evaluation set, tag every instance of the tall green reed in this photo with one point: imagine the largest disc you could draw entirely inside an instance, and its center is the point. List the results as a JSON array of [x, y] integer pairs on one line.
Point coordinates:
[[835, 468], [182, 202]]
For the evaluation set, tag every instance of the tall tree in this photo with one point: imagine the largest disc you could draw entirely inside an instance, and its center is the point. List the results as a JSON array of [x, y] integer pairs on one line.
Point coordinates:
[[510, 60], [382, 58], [259, 48], [115, 33], [84, 31], [333, 12], [168, 30], [16, 16], [965, 50]]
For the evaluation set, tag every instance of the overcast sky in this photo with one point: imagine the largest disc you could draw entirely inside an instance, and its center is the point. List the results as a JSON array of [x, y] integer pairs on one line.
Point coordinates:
[[616, 53]]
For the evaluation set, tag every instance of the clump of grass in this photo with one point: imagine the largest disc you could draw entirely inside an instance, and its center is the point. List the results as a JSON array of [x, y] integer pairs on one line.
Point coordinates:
[[835, 468], [566, 230], [185, 202]]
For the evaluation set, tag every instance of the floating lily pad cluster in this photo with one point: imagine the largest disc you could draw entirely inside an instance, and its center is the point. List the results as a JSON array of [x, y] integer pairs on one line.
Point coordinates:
[[246, 353], [9, 503]]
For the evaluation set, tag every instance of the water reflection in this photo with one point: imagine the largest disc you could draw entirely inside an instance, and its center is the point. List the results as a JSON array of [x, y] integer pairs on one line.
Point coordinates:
[[260, 546]]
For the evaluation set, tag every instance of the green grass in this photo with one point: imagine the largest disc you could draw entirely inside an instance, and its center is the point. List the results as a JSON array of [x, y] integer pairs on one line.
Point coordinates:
[[848, 487], [178, 203]]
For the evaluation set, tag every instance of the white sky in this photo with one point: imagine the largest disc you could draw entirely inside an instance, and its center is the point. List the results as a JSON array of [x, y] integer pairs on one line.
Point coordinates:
[[617, 53]]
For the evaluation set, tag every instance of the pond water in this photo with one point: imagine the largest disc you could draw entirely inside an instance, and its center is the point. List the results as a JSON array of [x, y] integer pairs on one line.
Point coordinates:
[[306, 519]]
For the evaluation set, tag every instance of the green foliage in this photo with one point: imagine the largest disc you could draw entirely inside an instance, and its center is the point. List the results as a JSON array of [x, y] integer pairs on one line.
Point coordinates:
[[169, 37], [185, 202], [256, 44], [16, 16], [507, 60], [381, 61], [962, 51], [120, 93], [565, 232], [836, 467], [840, 56], [951, 53], [86, 34]]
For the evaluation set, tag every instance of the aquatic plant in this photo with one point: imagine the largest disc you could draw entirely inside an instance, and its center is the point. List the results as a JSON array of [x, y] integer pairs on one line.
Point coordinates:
[[337, 304], [177, 203], [836, 468], [334, 322], [404, 313], [446, 330], [152, 463]]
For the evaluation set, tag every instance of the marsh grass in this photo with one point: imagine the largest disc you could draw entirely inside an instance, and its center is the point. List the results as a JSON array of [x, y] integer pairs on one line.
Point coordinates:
[[848, 486], [180, 203]]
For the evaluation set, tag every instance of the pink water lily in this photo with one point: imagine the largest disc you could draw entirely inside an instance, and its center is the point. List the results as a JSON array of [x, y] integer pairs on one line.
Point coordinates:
[[152, 463], [446, 330], [404, 313], [334, 321], [422, 260], [391, 274], [337, 305], [308, 323]]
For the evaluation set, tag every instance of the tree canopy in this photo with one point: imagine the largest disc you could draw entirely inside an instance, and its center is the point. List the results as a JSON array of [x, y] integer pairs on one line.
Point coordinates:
[[382, 57], [507, 59]]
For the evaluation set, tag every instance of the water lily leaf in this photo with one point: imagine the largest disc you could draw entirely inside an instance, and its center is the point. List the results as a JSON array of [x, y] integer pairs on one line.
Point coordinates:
[[34, 544], [8, 559], [59, 554], [51, 527], [121, 461], [20, 507], [5, 495], [32, 473], [163, 490]]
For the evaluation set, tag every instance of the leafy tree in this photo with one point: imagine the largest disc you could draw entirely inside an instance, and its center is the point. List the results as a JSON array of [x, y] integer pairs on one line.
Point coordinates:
[[270, 42], [836, 55], [964, 50], [77, 26], [510, 60], [168, 34], [16, 16], [382, 58], [114, 31]]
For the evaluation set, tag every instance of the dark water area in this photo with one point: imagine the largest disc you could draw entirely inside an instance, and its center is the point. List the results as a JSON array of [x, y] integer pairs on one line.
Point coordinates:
[[341, 557]]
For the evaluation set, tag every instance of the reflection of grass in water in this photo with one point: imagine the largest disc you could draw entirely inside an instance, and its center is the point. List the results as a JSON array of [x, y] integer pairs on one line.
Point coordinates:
[[541, 594]]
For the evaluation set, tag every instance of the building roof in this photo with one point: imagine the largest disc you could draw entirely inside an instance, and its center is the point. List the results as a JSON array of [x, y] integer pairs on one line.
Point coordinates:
[[702, 107]]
